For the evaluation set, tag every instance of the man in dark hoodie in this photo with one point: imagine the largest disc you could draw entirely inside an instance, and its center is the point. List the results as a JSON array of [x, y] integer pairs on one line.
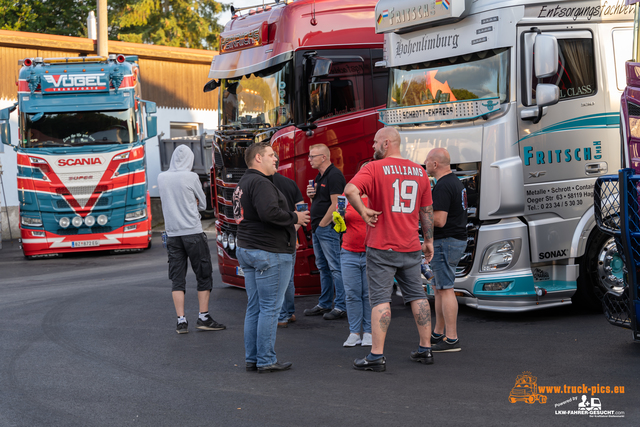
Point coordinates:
[[266, 244], [182, 196]]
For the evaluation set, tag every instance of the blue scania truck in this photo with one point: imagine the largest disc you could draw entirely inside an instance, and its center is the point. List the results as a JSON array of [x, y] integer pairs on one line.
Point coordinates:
[[82, 180]]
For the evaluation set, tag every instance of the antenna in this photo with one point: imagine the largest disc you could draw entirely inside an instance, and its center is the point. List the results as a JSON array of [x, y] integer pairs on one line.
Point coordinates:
[[314, 22]]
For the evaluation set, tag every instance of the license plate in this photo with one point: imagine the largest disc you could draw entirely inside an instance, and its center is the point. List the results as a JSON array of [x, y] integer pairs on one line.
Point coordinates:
[[239, 272], [85, 244]]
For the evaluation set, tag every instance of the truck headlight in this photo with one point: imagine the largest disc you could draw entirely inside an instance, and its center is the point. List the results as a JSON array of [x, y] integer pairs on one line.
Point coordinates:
[[499, 255], [31, 222], [225, 240], [102, 220], [232, 242], [76, 221], [64, 222], [90, 221], [132, 216]]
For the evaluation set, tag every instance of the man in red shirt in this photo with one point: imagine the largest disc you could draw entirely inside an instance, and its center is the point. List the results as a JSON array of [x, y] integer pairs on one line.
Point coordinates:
[[399, 196]]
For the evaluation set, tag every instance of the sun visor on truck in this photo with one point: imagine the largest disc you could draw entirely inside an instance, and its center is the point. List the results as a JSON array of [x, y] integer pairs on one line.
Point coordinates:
[[406, 15], [242, 63]]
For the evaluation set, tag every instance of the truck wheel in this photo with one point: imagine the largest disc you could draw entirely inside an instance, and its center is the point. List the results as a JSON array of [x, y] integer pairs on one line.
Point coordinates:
[[542, 399], [512, 400], [531, 400], [600, 271]]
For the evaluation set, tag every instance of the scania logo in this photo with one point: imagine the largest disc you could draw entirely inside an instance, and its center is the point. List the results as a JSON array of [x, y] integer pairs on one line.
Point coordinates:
[[80, 162]]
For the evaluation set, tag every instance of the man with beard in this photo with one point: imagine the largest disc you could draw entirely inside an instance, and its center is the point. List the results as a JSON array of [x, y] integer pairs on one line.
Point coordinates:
[[399, 196], [266, 244]]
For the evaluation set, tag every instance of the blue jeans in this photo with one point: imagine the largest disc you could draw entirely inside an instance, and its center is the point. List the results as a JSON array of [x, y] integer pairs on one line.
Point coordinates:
[[356, 289], [446, 255], [326, 247], [288, 306], [266, 275]]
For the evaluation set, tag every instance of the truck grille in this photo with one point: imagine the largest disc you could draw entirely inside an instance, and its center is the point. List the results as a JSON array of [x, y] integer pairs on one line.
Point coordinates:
[[225, 192], [225, 210]]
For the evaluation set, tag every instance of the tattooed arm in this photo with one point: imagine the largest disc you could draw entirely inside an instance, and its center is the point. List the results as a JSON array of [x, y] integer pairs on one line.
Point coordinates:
[[426, 221]]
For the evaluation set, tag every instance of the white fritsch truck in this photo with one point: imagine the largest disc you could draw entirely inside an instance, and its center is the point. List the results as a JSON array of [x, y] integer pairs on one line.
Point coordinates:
[[527, 133]]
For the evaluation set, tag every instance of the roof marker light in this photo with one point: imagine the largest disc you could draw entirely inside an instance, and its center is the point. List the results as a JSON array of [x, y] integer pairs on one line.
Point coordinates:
[[27, 62], [120, 58]]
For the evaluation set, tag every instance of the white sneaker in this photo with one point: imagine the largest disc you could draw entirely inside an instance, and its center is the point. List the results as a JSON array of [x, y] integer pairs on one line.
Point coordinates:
[[366, 340], [352, 341]]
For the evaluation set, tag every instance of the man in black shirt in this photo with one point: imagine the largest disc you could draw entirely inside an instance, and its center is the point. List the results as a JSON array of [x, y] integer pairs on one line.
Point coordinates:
[[324, 192], [266, 243], [292, 193], [450, 241]]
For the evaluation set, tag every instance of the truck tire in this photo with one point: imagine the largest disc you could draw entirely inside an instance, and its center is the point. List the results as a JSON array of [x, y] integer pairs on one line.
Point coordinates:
[[601, 268]]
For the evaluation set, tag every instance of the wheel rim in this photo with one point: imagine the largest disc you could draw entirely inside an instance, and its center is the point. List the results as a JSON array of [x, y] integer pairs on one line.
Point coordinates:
[[610, 267]]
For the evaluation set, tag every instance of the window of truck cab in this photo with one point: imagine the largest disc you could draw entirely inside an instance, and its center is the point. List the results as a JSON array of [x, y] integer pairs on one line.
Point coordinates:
[[477, 75], [77, 128], [260, 99], [576, 73], [350, 70]]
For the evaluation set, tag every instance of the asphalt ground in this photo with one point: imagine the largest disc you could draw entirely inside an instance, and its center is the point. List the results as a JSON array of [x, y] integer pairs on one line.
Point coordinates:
[[89, 340]]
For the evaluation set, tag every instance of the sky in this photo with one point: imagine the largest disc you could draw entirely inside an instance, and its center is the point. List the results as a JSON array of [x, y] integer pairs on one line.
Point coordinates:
[[226, 16]]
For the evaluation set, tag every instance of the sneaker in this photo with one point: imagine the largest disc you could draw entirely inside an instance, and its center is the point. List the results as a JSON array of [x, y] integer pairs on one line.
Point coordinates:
[[366, 340], [182, 328], [422, 357], [335, 314], [251, 366], [352, 341], [364, 364], [436, 339], [276, 367], [209, 325], [446, 346], [292, 318], [316, 311], [284, 324]]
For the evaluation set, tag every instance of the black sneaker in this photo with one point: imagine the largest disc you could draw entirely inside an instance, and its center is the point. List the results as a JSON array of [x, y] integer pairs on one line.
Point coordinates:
[[436, 339], [422, 357], [316, 311], [276, 367], [335, 314], [182, 328], [209, 325], [251, 366], [445, 346], [364, 364]]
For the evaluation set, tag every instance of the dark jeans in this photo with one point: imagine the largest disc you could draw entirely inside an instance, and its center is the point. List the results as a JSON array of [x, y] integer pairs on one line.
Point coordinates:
[[195, 248]]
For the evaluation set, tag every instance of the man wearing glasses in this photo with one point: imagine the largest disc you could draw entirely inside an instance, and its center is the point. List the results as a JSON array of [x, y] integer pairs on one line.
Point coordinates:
[[324, 192]]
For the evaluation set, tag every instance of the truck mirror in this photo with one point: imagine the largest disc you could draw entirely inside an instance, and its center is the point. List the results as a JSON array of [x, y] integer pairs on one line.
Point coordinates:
[[547, 94], [319, 99], [321, 67], [545, 56], [211, 85], [151, 107], [152, 126], [5, 128]]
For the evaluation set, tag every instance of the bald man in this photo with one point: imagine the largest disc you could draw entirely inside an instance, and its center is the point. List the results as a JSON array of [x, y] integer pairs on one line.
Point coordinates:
[[399, 197], [450, 241], [324, 192]]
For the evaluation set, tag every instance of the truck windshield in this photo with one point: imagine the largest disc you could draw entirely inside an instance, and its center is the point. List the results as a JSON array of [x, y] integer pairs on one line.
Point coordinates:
[[262, 98], [474, 76], [75, 129]]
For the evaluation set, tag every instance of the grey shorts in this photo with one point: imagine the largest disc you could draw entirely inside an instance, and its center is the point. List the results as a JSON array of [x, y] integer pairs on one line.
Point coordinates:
[[383, 266]]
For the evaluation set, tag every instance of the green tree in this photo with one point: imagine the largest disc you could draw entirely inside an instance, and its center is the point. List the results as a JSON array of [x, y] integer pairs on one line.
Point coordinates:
[[59, 17], [180, 23]]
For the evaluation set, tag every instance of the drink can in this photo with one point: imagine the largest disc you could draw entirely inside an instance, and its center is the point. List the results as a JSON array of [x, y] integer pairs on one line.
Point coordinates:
[[301, 207], [426, 270], [342, 205]]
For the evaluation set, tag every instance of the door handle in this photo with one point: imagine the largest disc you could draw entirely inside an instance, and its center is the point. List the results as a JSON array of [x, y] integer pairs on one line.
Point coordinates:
[[597, 168]]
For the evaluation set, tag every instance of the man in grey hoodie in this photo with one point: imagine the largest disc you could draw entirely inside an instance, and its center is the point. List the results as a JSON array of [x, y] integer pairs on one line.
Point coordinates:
[[182, 196]]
